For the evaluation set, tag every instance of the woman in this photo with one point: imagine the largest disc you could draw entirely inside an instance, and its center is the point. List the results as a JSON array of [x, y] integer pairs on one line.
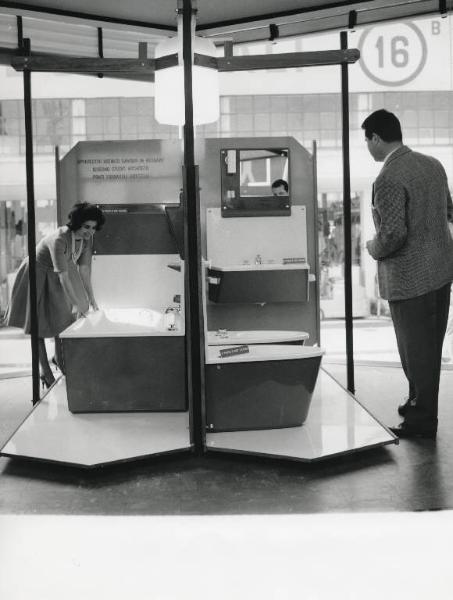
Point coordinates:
[[63, 282]]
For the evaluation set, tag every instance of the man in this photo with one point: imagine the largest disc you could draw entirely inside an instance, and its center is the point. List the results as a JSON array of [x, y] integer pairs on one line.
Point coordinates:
[[411, 207], [280, 187]]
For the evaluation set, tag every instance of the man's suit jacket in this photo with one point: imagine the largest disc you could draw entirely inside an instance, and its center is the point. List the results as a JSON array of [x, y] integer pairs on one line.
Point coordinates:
[[411, 209]]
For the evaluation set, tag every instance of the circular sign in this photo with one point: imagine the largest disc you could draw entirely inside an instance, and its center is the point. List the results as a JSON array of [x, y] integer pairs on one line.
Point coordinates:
[[392, 55]]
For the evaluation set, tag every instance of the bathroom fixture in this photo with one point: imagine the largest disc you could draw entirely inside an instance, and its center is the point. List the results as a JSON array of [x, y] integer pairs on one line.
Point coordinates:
[[268, 387], [172, 314], [123, 360], [259, 283], [224, 336]]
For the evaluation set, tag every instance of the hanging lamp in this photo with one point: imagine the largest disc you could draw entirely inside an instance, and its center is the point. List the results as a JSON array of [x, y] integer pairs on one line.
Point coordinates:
[[169, 82]]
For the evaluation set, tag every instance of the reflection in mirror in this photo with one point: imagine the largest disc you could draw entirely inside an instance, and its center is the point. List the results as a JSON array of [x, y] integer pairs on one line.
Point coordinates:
[[255, 182]]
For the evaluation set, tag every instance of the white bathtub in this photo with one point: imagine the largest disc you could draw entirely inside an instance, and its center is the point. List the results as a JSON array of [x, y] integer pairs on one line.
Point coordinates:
[[270, 386], [125, 322]]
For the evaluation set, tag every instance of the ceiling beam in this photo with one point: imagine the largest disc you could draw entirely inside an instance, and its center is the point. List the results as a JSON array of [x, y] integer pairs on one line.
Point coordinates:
[[147, 66], [288, 60], [70, 64]]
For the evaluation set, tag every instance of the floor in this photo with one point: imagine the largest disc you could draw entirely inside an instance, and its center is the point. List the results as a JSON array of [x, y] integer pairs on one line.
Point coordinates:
[[413, 476], [369, 525]]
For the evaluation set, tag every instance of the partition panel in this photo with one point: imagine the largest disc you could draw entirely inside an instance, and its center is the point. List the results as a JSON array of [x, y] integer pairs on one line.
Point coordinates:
[[112, 153], [267, 271]]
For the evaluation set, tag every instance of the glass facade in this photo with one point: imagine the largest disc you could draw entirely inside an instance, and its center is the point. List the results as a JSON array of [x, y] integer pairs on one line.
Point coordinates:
[[302, 103], [427, 119]]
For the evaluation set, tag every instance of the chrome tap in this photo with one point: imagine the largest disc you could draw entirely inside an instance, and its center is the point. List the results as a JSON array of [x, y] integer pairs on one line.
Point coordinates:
[[172, 314], [258, 259], [170, 309]]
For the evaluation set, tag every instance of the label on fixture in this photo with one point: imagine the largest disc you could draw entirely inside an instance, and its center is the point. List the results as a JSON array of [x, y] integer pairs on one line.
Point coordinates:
[[233, 351], [290, 261]]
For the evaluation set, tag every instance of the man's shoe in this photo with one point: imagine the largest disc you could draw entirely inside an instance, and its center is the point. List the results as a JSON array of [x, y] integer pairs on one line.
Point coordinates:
[[403, 430], [403, 408]]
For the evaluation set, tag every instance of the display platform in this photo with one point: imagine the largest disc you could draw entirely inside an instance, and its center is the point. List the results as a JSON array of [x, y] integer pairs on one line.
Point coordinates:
[[336, 424], [52, 433]]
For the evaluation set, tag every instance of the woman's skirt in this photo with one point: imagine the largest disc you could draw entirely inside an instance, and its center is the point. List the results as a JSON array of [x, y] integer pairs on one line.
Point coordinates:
[[54, 310]]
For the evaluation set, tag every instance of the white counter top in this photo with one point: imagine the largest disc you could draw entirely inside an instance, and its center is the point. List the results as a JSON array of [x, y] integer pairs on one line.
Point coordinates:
[[223, 337], [261, 267]]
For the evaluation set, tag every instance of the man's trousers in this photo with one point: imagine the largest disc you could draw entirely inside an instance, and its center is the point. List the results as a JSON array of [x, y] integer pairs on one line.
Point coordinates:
[[420, 324]]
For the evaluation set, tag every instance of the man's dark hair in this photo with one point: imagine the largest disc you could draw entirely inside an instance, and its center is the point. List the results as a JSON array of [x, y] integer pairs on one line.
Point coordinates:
[[385, 124], [280, 182]]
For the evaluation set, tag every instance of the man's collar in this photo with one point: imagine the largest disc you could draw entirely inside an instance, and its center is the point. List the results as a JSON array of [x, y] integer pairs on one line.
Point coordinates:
[[395, 153], [390, 154]]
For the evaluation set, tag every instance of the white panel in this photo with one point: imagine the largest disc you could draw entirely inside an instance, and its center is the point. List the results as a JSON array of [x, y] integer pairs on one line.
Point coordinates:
[[53, 433], [130, 171], [8, 32], [253, 15], [136, 281], [233, 241], [124, 44], [62, 37]]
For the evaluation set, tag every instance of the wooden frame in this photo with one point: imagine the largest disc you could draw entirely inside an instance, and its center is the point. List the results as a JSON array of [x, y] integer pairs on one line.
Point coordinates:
[[144, 66]]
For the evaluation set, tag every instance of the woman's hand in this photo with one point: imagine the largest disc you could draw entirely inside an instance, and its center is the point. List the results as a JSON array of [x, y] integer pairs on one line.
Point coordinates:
[[80, 310], [94, 305]]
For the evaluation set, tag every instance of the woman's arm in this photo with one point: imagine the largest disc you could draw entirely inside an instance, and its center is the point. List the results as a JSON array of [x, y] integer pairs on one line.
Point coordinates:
[[85, 275], [69, 291]]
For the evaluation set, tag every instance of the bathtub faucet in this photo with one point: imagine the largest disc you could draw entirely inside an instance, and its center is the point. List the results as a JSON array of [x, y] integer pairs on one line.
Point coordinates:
[[171, 315], [258, 259]]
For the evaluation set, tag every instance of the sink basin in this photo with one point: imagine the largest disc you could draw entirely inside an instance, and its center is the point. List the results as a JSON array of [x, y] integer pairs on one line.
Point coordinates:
[[224, 337], [262, 283], [261, 267]]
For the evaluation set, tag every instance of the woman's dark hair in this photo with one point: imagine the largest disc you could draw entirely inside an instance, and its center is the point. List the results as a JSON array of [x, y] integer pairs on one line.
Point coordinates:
[[385, 124], [279, 183], [82, 212]]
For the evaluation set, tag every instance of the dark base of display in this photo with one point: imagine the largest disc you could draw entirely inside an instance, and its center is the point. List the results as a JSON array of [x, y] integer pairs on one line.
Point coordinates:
[[125, 374], [259, 395]]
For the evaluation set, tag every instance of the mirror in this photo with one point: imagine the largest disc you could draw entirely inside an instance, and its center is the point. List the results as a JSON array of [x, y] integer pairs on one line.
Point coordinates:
[[255, 182]]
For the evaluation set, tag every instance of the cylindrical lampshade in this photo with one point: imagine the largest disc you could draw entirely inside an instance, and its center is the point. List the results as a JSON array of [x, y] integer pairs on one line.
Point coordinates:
[[169, 86]]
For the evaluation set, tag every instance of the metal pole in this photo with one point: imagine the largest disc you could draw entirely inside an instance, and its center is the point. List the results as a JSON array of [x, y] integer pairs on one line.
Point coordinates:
[[194, 304], [31, 226], [317, 262], [347, 220]]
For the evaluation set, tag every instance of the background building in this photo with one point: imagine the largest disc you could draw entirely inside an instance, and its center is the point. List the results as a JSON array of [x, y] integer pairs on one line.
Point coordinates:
[[396, 71]]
